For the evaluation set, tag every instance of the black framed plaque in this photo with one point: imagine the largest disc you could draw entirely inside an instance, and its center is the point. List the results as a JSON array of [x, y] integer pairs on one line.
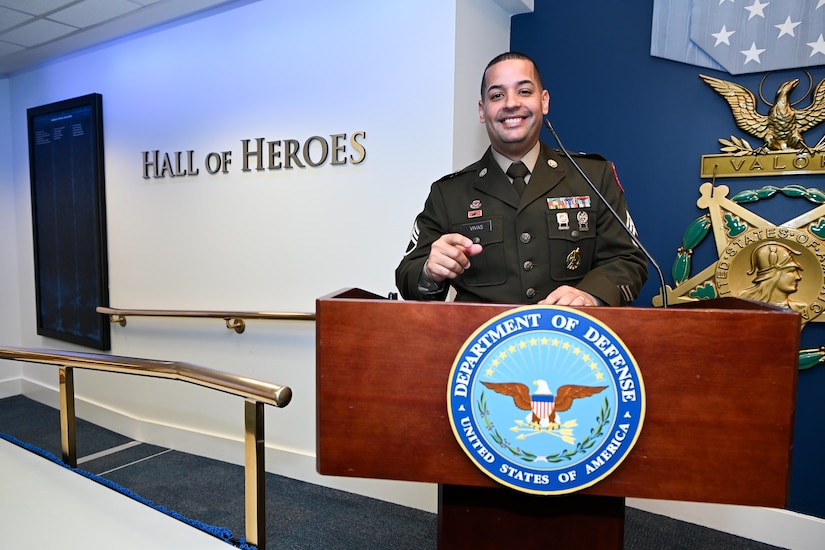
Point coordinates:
[[69, 220]]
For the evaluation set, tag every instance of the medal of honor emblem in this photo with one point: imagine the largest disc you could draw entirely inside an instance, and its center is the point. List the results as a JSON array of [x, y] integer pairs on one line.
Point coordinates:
[[776, 263], [545, 400]]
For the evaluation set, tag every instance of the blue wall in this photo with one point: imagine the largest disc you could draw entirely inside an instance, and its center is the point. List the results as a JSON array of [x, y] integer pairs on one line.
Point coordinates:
[[655, 119]]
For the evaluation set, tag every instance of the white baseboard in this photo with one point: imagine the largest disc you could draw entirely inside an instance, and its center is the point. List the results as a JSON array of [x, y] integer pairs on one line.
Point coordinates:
[[768, 525], [10, 387], [771, 526]]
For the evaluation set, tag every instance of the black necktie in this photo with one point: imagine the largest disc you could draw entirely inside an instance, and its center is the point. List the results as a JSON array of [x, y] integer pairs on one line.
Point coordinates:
[[517, 171]]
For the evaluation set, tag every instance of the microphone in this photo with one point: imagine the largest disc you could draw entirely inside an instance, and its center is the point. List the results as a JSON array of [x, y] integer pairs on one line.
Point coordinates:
[[633, 236]]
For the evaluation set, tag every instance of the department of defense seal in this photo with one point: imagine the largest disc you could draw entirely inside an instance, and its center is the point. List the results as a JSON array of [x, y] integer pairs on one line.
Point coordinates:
[[545, 399]]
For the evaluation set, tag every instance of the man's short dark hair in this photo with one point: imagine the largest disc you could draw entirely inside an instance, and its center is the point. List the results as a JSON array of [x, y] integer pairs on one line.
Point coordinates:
[[504, 57]]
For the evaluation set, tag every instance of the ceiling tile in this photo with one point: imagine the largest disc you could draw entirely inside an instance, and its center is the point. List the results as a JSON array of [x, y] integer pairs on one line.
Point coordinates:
[[92, 12], [32, 31], [10, 18], [37, 32], [36, 7], [6, 48]]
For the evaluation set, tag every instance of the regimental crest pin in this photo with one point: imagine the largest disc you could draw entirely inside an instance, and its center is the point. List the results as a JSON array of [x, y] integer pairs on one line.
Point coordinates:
[[545, 400]]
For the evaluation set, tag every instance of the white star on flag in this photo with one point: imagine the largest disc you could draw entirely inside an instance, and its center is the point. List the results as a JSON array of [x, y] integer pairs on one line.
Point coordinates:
[[757, 9], [787, 27], [752, 54], [818, 46], [740, 37], [723, 36]]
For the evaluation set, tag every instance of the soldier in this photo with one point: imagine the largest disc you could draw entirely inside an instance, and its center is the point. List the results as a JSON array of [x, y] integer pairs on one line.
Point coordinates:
[[521, 225]]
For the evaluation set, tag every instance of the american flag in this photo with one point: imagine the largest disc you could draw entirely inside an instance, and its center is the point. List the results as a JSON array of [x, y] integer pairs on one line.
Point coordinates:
[[740, 36]]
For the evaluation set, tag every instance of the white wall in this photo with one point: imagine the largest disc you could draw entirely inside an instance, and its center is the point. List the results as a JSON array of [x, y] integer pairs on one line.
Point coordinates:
[[474, 19], [9, 300], [270, 240]]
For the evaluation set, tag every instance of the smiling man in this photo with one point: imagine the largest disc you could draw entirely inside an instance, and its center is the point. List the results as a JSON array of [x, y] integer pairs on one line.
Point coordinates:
[[521, 225], [512, 105]]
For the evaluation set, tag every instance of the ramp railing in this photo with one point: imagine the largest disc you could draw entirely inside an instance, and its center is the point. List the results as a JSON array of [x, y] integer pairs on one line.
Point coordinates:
[[255, 393]]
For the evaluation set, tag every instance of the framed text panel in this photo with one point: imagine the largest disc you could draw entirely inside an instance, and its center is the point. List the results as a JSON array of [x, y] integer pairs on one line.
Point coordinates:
[[69, 220]]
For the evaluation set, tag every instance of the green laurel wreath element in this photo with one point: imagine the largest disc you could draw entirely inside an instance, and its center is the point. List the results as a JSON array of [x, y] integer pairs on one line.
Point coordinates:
[[699, 229], [705, 292], [734, 226], [602, 420], [811, 357], [811, 194], [694, 234]]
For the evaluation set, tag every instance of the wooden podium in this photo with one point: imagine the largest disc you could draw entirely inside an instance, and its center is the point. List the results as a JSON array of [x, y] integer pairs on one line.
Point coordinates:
[[720, 383]]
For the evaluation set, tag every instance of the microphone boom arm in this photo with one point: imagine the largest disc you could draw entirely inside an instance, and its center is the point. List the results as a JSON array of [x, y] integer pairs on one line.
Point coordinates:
[[633, 236]]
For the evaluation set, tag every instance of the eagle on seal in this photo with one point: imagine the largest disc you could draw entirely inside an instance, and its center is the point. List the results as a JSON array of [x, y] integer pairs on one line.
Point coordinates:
[[782, 128], [542, 404]]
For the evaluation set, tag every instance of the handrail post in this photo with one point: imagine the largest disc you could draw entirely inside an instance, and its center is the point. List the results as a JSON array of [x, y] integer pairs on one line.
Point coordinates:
[[255, 473], [68, 431]]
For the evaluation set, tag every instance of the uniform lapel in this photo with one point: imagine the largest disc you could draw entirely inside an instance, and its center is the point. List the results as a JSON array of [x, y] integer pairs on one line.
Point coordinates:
[[494, 182], [547, 173]]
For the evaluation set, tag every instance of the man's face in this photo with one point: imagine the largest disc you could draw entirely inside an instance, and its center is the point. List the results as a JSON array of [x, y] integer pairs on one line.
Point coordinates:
[[512, 107]]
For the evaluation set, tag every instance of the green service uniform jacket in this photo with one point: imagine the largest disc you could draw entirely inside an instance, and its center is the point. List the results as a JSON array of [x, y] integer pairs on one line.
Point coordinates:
[[557, 233]]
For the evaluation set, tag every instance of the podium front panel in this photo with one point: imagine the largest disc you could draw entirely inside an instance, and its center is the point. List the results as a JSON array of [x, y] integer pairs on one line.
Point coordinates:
[[720, 385]]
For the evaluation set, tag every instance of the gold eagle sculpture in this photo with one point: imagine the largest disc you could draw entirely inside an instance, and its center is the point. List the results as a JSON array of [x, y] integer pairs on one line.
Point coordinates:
[[782, 128]]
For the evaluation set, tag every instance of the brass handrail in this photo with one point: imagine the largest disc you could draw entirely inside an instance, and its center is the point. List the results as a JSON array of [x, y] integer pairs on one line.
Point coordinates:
[[234, 319], [256, 393]]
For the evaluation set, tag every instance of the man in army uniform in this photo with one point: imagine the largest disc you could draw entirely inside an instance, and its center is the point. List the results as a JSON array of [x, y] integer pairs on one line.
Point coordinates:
[[521, 225]]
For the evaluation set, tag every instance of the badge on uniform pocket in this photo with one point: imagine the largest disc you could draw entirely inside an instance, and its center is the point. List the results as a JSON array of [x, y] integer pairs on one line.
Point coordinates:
[[574, 259], [583, 220]]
